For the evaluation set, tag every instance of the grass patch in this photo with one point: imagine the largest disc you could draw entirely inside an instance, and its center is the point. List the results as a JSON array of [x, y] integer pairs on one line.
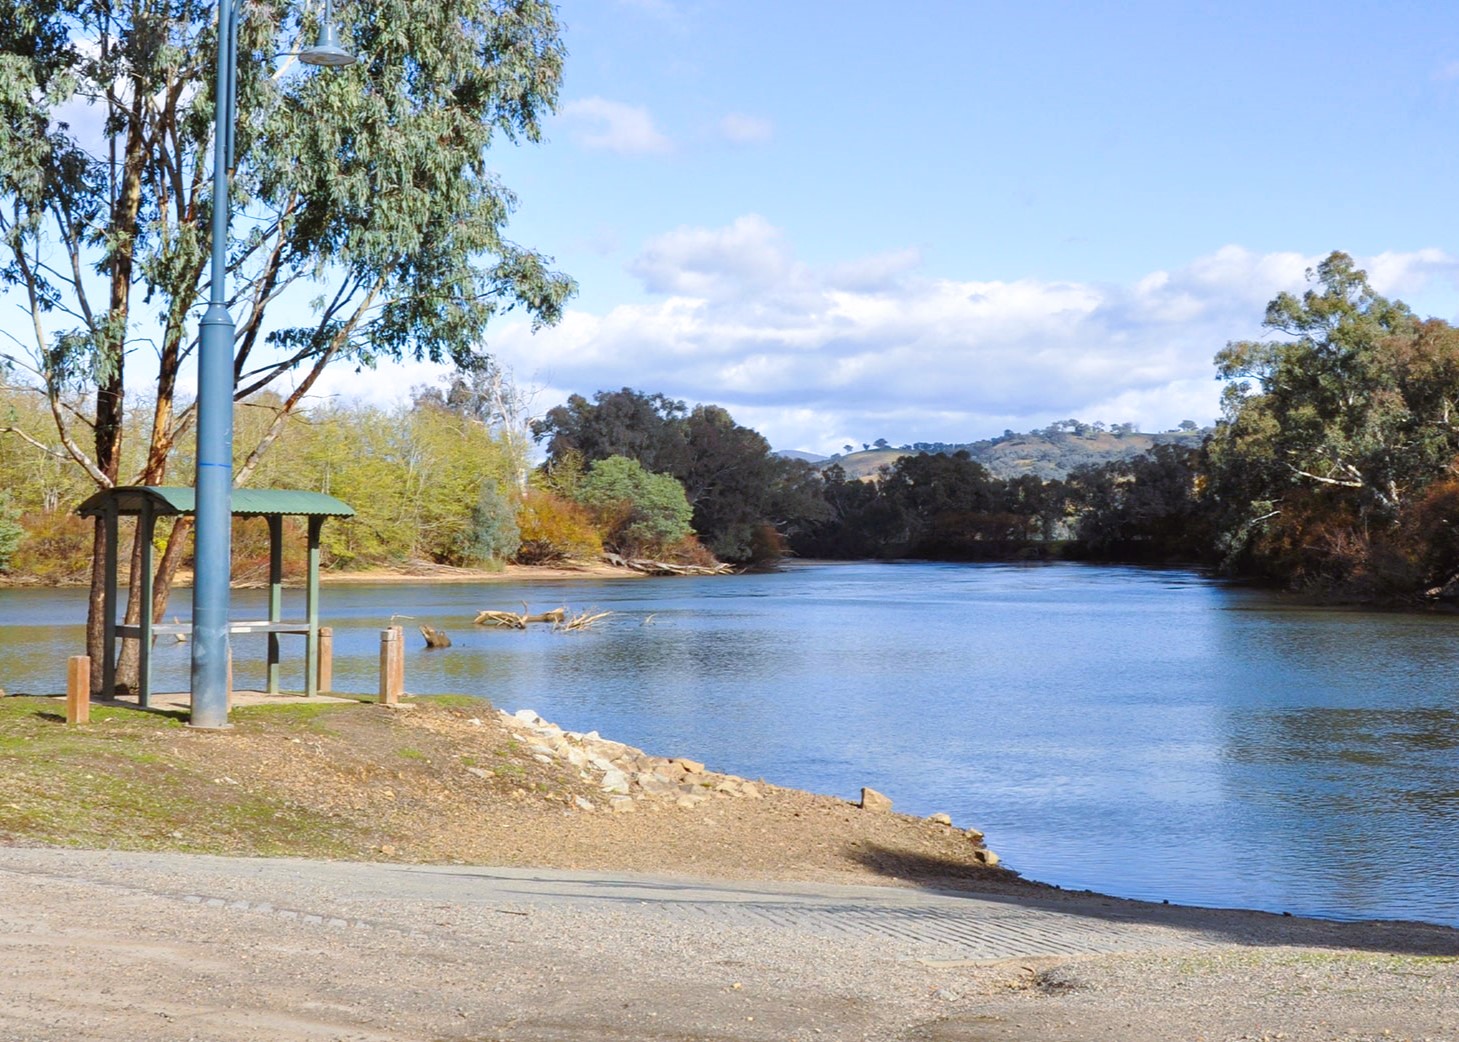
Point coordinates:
[[126, 780], [472, 702]]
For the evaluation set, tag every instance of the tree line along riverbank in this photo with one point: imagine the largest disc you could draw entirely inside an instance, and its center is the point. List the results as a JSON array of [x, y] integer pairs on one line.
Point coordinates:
[[1332, 469]]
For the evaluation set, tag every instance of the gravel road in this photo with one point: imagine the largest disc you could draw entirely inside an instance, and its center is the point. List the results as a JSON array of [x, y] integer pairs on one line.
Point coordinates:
[[152, 947]]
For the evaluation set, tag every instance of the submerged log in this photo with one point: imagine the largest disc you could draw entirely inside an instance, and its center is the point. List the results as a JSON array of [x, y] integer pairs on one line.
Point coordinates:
[[435, 638]]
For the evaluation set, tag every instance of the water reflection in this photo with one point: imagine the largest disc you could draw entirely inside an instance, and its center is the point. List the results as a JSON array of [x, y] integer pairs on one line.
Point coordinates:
[[1143, 732]]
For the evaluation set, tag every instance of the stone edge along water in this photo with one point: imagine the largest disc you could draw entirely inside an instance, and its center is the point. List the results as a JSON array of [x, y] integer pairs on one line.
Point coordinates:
[[627, 776]]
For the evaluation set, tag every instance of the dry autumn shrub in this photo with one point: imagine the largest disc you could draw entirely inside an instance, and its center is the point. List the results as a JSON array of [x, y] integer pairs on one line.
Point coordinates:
[[55, 547], [554, 529]]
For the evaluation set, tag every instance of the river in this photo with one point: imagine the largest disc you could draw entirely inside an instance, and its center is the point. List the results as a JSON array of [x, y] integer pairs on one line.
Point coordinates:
[[1152, 734]]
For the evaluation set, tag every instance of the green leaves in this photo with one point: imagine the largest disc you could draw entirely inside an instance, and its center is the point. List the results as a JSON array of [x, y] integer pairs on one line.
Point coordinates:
[[640, 512], [372, 181]]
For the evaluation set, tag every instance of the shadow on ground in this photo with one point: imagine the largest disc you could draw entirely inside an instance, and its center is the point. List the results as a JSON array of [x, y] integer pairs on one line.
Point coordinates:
[[1221, 926]]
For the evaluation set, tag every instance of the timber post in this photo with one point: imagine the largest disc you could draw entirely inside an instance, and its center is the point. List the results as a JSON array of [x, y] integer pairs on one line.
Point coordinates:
[[326, 658], [392, 664], [78, 689]]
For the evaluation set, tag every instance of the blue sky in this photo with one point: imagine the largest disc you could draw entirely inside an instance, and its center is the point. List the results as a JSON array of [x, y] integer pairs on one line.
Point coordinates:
[[929, 221]]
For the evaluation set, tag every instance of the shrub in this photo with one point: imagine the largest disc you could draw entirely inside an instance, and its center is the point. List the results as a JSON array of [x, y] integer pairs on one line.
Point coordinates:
[[495, 534], [554, 529], [10, 531], [56, 547], [638, 511]]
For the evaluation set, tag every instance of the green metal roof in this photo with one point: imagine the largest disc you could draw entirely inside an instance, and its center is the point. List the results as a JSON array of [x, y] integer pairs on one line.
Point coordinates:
[[167, 500]]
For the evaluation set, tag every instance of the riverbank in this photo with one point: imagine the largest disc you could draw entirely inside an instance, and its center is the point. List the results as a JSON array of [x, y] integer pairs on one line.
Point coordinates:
[[443, 780], [414, 573], [647, 949]]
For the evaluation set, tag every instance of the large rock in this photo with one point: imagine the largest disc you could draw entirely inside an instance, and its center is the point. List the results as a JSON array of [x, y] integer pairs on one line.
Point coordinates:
[[875, 801], [615, 781]]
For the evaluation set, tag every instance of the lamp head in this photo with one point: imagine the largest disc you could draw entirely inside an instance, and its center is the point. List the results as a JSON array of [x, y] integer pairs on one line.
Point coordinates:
[[327, 51]]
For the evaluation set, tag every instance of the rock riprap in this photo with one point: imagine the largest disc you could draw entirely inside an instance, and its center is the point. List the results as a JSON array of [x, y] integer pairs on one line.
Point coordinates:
[[624, 775], [629, 778]]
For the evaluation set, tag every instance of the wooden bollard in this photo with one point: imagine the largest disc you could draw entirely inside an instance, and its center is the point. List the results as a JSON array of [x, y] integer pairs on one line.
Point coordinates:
[[78, 689], [399, 661], [392, 665], [325, 679]]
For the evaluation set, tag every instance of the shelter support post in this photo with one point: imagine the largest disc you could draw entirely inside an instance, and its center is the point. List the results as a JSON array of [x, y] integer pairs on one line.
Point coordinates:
[[275, 595], [109, 607], [146, 524], [311, 610]]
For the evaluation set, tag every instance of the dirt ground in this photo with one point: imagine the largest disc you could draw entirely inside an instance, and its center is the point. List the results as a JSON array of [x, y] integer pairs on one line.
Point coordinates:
[[442, 780], [462, 783], [90, 951], [187, 948]]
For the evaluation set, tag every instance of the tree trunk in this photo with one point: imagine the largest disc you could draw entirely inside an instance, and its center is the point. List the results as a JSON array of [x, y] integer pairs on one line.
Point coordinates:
[[95, 614], [110, 392]]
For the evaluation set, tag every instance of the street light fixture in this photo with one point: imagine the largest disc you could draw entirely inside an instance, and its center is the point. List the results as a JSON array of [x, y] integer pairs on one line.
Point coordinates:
[[327, 52], [213, 484]]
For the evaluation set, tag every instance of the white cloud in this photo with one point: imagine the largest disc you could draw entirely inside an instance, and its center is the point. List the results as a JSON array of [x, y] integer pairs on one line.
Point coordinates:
[[1408, 274], [742, 129], [614, 126], [815, 357]]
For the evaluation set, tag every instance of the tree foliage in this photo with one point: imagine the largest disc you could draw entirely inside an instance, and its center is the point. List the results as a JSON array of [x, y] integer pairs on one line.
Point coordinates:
[[1149, 508], [744, 498], [11, 531], [1334, 430], [639, 512], [368, 186]]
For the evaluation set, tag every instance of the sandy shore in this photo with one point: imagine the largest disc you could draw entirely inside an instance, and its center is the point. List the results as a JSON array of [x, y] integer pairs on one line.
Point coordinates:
[[511, 573], [435, 573]]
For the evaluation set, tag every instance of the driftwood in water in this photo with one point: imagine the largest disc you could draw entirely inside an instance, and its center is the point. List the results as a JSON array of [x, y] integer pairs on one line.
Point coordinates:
[[648, 567], [518, 621], [435, 638], [583, 620]]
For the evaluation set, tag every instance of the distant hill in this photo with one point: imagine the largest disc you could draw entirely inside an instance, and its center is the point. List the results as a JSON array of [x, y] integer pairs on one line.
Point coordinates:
[[1048, 453], [809, 457]]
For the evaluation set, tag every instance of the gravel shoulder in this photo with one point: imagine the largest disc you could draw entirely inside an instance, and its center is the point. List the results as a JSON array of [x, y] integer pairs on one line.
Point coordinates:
[[156, 948]]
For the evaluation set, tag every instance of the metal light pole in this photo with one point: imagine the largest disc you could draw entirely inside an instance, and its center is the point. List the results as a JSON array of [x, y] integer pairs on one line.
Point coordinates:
[[213, 484]]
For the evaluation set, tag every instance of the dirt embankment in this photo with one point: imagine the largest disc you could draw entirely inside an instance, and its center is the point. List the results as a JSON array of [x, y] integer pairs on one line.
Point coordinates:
[[442, 780]]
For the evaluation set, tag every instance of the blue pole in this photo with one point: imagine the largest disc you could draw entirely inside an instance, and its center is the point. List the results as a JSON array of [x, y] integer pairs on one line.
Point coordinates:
[[213, 540]]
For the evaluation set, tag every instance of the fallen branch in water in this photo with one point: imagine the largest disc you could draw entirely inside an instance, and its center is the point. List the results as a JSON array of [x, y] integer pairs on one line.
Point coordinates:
[[649, 567], [581, 621]]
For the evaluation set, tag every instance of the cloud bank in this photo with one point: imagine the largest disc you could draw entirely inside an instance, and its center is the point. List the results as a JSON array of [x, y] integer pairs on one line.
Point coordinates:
[[815, 357]]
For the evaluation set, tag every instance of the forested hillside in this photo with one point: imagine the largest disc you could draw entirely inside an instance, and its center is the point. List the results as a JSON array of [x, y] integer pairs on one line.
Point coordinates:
[[1049, 453]]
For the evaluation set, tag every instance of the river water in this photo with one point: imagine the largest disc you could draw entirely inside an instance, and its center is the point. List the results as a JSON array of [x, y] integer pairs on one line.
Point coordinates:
[[1151, 734]]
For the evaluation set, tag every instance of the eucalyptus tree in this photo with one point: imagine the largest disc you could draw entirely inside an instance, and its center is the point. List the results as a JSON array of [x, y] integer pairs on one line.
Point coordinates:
[[367, 222], [1350, 411]]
